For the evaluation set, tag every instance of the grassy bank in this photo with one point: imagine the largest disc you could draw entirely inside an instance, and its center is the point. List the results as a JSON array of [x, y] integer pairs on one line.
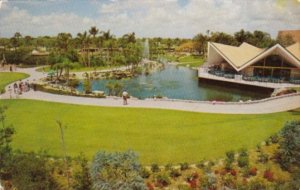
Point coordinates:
[[9, 77], [159, 136], [191, 61]]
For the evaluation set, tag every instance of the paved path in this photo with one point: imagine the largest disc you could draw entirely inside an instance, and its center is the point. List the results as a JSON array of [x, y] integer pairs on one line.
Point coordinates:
[[270, 105]]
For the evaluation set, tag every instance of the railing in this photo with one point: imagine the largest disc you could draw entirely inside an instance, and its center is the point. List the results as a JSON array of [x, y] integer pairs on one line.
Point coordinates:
[[230, 103]]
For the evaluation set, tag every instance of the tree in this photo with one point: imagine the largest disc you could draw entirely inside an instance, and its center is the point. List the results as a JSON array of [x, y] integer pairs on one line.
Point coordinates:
[[63, 40], [223, 38], [116, 171], [285, 40], [200, 43], [67, 65], [28, 40], [32, 171], [130, 38], [94, 31], [289, 146], [84, 40]]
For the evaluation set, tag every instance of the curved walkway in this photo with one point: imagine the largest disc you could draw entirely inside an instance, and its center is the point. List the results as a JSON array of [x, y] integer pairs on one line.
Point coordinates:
[[269, 105]]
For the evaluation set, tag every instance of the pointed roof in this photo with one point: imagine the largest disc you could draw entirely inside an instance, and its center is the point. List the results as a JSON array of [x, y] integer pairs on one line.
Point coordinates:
[[238, 55], [246, 54], [295, 50]]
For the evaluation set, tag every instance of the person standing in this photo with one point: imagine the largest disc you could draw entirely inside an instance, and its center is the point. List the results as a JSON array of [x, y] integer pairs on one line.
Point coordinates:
[[15, 88], [125, 96]]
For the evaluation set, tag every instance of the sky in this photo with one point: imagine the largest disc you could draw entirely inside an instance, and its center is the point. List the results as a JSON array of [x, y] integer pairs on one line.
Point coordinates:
[[147, 18]]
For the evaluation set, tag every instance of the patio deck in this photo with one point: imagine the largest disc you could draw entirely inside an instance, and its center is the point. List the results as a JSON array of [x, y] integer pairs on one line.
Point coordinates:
[[203, 74]]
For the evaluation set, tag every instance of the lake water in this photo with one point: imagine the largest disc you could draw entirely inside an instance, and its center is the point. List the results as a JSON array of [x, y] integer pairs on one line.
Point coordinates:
[[177, 83]]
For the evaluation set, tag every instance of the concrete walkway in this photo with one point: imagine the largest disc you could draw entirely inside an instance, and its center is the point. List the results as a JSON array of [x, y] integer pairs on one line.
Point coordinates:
[[269, 105]]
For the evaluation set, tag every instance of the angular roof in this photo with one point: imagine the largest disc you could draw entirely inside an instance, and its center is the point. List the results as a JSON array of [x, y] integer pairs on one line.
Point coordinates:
[[295, 50], [238, 55], [246, 54]]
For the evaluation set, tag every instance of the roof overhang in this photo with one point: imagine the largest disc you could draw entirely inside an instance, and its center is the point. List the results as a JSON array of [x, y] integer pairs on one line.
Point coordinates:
[[283, 52]]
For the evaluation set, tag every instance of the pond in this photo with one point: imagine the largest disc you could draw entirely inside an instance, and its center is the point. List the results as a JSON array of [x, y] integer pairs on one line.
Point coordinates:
[[177, 83]]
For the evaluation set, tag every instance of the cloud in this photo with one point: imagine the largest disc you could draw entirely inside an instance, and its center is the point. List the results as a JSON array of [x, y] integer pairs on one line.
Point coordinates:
[[149, 18]]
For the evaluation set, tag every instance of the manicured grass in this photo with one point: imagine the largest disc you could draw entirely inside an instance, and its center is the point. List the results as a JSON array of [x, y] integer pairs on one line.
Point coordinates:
[[9, 77], [191, 61], [159, 136]]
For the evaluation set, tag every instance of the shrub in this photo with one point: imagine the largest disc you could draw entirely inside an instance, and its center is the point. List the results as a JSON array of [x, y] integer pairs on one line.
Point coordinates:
[[74, 83], [263, 158], [163, 180], [233, 172], [253, 171], [243, 152], [145, 173], [110, 170], [174, 173], [150, 186], [243, 161], [168, 167], [201, 164], [229, 159], [184, 166], [155, 168], [290, 145], [268, 174], [274, 138], [208, 182], [192, 179]]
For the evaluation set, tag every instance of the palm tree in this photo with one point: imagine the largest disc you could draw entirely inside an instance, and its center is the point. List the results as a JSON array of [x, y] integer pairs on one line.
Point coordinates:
[[84, 40], [94, 31], [67, 65], [130, 38], [63, 40]]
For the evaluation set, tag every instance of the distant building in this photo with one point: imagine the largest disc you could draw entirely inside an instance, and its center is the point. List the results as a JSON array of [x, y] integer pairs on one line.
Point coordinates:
[[249, 63], [295, 34]]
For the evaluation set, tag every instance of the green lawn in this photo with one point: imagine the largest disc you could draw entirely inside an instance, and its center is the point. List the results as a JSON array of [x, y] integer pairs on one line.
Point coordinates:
[[191, 61], [9, 77], [159, 136]]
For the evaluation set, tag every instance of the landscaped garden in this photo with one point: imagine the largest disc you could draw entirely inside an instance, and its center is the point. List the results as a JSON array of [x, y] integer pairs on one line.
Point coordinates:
[[7, 78], [191, 61], [158, 136]]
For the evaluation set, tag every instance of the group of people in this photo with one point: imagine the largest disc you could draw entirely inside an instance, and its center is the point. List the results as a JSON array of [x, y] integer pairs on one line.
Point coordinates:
[[19, 88]]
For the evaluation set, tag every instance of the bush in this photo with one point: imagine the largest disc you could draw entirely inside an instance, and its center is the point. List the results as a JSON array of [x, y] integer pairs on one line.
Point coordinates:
[[168, 167], [145, 173], [201, 164], [243, 161], [192, 179], [253, 171], [110, 170], [289, 147], [229, 158], [163, 180], [274, 138], [155, 168], [74, 83], [263, 158], [268, 174], [174, 173], [184, 166]]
